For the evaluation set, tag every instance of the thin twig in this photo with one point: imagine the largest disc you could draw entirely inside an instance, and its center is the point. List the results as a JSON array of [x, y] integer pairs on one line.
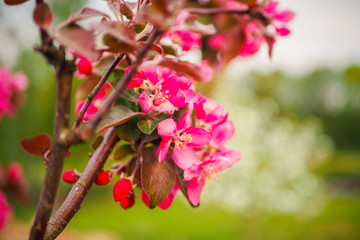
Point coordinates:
[[80, 189], [95, 91]]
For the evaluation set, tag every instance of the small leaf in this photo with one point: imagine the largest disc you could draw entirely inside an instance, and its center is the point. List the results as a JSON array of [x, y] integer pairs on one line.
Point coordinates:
[[14, 2], [43, 16], [121, 151], [129, 131], [37, 145], [183, 185], [118, 30], [117, 115], [80, 40], [97, 141], [169, 50], [125, 10], [84, 14], [158, 179], [148, 126]]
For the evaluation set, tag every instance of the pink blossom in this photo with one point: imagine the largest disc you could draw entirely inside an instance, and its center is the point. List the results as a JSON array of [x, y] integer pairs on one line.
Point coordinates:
[[253, 39], [207, 112], [94, 106], [5, 210], [185, 138], [207, 72], [199, 174], [164, 90], [217, 41], [11, 87], [279, 18]]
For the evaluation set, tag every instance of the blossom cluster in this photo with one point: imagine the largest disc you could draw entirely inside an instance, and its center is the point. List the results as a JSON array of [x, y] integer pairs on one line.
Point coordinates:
[[163, 123], [11, 87]]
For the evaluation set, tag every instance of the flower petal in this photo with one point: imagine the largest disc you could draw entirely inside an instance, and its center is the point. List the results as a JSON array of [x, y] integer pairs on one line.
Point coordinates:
[[163, 149], [199, 136], [145, 102], [186, 120], [167, 128], [194, 190], [222, 133], [185, 158]]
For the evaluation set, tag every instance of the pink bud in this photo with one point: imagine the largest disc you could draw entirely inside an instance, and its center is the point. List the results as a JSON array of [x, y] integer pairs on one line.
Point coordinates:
[[128, 202], [84, 66], [70, 176], [103, 178], [121, 189]]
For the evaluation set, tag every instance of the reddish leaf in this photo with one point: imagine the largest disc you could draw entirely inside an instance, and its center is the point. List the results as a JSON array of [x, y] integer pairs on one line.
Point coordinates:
[[37, 145], [14, 2], [185, 68], [117, 115], [183, 185], [120, 31], [86, 87], [84, 14], [233, 45], [80, 40], [158, 179], [125, 10], [43, 16]]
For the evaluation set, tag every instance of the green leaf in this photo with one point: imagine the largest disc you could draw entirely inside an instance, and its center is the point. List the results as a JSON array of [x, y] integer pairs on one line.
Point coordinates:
[[97, 141], [43, 16], [129, 130], [121, 151], [117, 115], [158, 179], [148, 126]]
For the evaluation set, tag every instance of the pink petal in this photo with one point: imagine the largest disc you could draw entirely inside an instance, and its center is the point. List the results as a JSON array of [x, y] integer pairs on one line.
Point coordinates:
[[282, 31], [170, 86], [186, 120], [217, 41], [178, 100], [222, 133], [185, 158], [193, 172], [194, 190], [223, 160], [216, 116], [145, 102], [207, 72], [270, 8], [163, 149], [285, 16], [199, 136], [167, 128]]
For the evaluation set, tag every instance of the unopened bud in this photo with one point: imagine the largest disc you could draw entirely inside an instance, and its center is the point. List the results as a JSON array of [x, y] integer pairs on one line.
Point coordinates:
[[70, 176], [128, 202], [84, 66], [121, 189], [103, 178]]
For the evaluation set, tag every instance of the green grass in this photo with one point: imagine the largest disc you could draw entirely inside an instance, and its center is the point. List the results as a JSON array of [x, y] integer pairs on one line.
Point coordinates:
[[339, 220]]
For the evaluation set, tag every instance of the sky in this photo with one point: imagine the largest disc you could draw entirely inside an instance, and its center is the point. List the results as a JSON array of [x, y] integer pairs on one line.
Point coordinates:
[[325, 33]]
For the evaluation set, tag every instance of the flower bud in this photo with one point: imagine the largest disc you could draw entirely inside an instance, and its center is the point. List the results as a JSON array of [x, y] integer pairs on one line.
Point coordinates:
[[103, 178], [70, 176], [128, 202], [84, 66], [121, 189]]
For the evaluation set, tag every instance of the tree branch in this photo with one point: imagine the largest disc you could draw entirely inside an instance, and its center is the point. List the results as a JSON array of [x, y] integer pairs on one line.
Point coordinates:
[[77, 194], [95, 91], [64, 73]]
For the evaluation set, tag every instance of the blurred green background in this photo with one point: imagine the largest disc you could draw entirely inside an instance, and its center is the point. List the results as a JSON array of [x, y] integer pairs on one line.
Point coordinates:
[[299, 177]]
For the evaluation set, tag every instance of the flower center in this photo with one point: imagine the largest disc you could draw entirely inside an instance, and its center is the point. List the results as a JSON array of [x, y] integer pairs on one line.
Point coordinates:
[[183, 140], [160, 96]]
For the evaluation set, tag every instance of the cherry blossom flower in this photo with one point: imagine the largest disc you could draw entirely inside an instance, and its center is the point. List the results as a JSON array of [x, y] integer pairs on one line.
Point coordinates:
[[199, 174], [11, 87], [5, 210], [185, 138], [279, 18]]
